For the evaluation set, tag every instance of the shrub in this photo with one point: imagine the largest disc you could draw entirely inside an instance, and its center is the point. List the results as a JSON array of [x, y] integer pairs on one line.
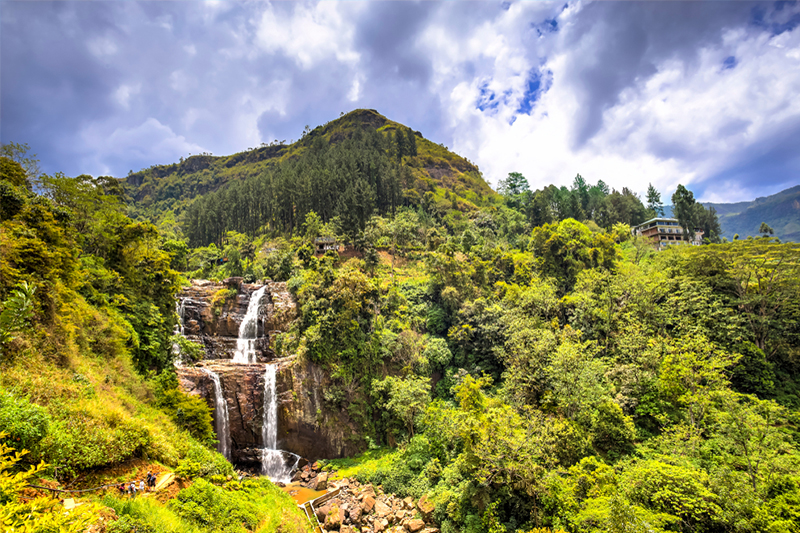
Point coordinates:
[[200, 462], [24, 422]]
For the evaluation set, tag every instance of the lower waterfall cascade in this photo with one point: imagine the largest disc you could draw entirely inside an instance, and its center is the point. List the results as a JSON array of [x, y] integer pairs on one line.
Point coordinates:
[[273, 461], [220, 416]]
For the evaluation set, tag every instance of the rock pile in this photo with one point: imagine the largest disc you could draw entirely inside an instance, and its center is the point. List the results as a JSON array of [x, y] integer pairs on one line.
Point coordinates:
[[310, 476], [364, 509]]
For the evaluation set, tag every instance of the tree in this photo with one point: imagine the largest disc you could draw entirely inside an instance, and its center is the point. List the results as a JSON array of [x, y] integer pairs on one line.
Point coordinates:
[[401, 143], [707, 220], [566, 248], [692, 370], [581, 188], [654, 201], [683, 205], [19, 153], [406, 398], [411, 143], [12, 172], [765, 230]]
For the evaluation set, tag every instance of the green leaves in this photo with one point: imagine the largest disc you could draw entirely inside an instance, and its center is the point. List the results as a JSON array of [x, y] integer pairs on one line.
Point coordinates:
[[17, 310]]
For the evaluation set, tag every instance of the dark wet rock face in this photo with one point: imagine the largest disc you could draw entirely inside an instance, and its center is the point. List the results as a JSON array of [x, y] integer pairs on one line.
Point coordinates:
[[307, 426]]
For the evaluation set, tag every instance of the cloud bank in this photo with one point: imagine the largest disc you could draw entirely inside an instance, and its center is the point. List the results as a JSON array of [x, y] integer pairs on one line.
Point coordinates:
[[699, 93]]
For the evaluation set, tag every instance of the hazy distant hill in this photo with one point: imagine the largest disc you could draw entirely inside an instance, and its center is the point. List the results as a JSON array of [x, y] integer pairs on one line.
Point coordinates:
[[781, 211], [434, 168]]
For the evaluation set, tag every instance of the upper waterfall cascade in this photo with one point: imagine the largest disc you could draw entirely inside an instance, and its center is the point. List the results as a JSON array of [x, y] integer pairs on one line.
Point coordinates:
[[248, 330]]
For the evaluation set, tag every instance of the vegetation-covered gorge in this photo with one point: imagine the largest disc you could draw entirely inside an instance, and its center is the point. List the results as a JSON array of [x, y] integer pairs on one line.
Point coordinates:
[[86, 384]]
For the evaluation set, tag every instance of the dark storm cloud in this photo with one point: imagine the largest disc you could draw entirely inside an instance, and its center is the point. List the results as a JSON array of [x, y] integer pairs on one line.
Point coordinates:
[[50, 82], [387, 32], [765, 167]]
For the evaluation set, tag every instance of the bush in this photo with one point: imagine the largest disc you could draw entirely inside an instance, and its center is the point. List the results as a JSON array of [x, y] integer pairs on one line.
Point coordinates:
[[188, 412], [24, 422], [206, 505], [200, 462]]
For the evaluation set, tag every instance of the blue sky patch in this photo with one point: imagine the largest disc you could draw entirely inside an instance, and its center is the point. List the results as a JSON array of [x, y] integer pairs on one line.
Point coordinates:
[[488, 100], [538, 83], [761, 18], [729, 62]]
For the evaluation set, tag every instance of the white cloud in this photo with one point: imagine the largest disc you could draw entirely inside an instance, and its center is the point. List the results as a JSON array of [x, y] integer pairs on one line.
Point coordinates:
[[309, 34], [124, 92], [686, 122], [149, 141]]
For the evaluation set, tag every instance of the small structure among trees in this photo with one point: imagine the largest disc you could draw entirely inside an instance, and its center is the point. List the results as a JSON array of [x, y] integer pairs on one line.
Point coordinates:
[[323, 244]]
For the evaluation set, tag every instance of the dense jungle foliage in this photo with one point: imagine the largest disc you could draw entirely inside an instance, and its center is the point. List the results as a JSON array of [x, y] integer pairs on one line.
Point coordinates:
[[527, 362], [559, 376]]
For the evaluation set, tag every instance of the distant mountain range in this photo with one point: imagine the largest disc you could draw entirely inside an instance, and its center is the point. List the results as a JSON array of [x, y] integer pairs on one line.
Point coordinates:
[[781, 212]]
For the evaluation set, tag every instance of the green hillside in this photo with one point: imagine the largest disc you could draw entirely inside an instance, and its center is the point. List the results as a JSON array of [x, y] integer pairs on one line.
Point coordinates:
[[161, 188], [780, 211]]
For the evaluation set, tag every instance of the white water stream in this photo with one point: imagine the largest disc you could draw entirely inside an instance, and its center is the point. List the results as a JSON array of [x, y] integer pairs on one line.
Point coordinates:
[[248, 330], [273, 461], [220, 416]]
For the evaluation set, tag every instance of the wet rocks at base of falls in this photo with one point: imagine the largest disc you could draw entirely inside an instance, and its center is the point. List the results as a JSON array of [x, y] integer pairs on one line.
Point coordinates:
[[309, 475], [366, 509], [217, 329]]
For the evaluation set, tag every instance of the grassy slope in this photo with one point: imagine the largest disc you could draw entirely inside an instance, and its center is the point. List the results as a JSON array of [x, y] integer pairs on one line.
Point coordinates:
[[435, 168], [103, 427]]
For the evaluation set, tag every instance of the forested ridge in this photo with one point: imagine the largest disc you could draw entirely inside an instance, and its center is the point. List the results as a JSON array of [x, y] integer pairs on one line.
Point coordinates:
[[519, 357]]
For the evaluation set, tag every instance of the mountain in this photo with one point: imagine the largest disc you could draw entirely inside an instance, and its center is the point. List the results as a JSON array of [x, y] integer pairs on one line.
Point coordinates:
[[780, 211], [160, 188]]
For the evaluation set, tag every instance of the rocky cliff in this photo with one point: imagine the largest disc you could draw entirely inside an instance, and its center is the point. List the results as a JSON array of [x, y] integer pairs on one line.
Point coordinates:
[[307, 425]]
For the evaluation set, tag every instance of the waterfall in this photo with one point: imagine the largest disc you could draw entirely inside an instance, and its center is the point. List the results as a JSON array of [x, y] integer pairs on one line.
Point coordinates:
[[176, 350], [220, 416], [248, 330], [273, 461], [181, 311]]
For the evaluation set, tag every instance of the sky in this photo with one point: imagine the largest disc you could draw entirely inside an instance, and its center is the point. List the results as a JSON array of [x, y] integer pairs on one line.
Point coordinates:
[[705, 94]]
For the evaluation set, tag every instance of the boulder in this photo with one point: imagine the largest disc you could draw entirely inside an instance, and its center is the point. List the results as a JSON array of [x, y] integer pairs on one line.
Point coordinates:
[[409, 502], [322, 511], [367, 504], [354, 513], [320, 482], [381, 509], [415, 525], [380, 525], [426, 508], [333, 519]]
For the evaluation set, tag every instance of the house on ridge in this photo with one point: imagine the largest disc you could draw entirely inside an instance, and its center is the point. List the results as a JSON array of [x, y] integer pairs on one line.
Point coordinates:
[[664, 232]]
